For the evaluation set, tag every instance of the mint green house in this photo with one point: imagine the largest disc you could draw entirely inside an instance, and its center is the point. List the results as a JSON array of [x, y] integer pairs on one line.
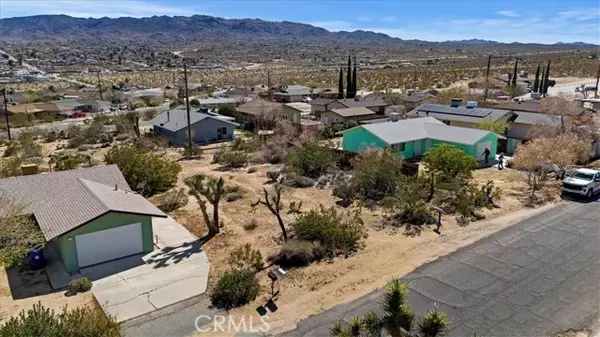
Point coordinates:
[[87, 216], [412, 137]]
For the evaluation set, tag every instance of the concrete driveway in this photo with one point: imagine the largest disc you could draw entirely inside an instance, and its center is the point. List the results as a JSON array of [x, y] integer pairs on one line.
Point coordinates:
[[536, 278], [176, 272]]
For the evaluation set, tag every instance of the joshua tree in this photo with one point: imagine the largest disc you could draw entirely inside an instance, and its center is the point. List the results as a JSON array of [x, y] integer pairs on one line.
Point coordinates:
[[273, 203], [212, 189], [398, 319]]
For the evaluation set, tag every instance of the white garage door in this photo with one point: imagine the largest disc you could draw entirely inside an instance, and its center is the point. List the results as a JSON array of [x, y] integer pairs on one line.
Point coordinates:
[[481, 148], [110, 244]]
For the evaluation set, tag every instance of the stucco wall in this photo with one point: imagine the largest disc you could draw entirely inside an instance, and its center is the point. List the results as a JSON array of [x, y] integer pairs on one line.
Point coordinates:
[[518, 131], [67, 246]]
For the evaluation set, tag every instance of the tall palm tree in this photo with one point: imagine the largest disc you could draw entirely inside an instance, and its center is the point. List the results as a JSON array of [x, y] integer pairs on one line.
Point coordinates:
[[397, 320], [212, 189]]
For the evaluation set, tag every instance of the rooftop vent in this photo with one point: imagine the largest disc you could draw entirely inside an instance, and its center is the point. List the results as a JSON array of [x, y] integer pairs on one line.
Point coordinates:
[[455, 102], [394, 116], [471, 104]]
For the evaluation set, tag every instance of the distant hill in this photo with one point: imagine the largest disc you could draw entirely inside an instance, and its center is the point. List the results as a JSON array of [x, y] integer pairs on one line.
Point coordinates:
[[194, 28], [583, 44]]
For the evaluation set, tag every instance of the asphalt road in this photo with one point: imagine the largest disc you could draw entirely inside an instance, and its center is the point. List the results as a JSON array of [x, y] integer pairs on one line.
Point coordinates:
[[536, 278]]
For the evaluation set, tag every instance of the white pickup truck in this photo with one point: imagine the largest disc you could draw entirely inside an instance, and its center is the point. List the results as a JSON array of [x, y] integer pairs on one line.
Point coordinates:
[[582, 181]]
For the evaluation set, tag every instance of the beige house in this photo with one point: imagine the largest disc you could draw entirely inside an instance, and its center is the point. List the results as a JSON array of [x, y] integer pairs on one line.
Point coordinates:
[[343, 115], [295, 112]]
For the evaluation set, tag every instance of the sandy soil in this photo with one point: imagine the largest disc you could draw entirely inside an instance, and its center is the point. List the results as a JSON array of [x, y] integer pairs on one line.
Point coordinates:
[[21, 288], [387, 252]]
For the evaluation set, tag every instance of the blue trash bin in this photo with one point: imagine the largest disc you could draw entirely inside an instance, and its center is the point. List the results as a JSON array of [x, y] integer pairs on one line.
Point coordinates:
[[36, 258]]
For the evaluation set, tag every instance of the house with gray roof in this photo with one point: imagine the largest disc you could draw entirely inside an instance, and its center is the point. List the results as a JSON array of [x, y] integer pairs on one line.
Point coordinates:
[[411, 138], [205, 127], [87, 216], [462, 116]]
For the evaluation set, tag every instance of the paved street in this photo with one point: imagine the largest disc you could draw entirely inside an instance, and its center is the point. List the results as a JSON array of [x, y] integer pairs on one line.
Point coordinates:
[[536, 278]]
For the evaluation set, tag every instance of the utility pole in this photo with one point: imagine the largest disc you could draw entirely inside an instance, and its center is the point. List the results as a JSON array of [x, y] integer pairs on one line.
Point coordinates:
[[269, 84], [99, 85], [597, 79], [187, 107], [487, 79], [6, 112]]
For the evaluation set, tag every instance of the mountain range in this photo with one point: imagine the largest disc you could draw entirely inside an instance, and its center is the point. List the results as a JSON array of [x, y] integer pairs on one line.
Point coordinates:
[[194, 28]]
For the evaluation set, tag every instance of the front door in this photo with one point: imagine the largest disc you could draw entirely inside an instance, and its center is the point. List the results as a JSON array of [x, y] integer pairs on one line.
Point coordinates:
[[221, 133], [418, 150]]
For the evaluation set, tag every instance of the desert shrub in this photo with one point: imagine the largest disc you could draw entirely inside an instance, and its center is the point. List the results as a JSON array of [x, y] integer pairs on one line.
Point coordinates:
[[230, 159], [337, 234], [311, 159], [408, 203], [246, 259], [80, 285], [299, 181], [273, 174], [10, 167], [252, 169], [150, 114], [172, 200], [330, 130], [345, 190], [73, 131], [297, 253], [228, 110], [67, 161], [50, 136], [251, 225], [121, 137], [145, 172], [150, 143], [83, 148], [376, 173], [194, 102], [41, 321], [462, 220], [195, 151], [12, 149], [235, 289]]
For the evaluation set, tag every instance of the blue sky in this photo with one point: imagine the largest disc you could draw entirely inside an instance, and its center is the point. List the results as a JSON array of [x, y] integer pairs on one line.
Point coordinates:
[[543, 21]]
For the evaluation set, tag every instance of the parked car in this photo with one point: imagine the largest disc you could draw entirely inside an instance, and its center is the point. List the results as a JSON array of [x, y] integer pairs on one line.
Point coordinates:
[[77, 115], [582, 181]]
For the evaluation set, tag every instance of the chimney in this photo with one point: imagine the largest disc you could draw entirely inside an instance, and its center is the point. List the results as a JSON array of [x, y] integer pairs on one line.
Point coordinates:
[[394, 116], [455, 102], [116, 188], [168, 116]]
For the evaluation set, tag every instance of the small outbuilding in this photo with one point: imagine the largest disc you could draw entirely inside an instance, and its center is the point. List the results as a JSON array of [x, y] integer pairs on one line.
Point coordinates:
[[206, 128]]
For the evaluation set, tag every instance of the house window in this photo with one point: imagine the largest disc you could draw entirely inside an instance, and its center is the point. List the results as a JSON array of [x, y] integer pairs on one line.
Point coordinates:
[[221, 131], [284, 116], [398, 147], [446, 122]]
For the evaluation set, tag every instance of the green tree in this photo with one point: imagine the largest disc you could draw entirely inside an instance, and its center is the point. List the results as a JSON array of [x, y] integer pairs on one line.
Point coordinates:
[[444, 163], [547, 80], [536, 82], [145, 172], [228, 110], [376, 173], [312, 159], [212, 189], [195, 103], [498, 126], [341, 84], [349, 93], [514, 78], [18, 233], [397, 319], [354, 79], [234, 289]]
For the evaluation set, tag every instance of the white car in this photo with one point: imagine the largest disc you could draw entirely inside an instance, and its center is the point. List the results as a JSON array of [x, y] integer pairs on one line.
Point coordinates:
[[582, 181]]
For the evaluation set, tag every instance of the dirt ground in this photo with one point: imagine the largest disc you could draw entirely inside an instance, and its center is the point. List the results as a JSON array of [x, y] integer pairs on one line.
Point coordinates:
[[387, 252], [21, 288]]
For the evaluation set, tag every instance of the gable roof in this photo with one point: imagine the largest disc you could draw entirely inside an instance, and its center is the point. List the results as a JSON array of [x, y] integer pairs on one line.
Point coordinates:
[[303, 108], [260, 107], [176, 119], [321, 101], [423, 128], [367, 102], [87, 200], [531, 118], [61, 200], [350, 112], [464, 114]]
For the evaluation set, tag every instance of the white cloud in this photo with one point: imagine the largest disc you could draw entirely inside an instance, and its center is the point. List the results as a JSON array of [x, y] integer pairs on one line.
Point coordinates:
[[388, 19], [87, 8], [465, 22], [494, 22], [511, 14], [578, 15], [364, 19]]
